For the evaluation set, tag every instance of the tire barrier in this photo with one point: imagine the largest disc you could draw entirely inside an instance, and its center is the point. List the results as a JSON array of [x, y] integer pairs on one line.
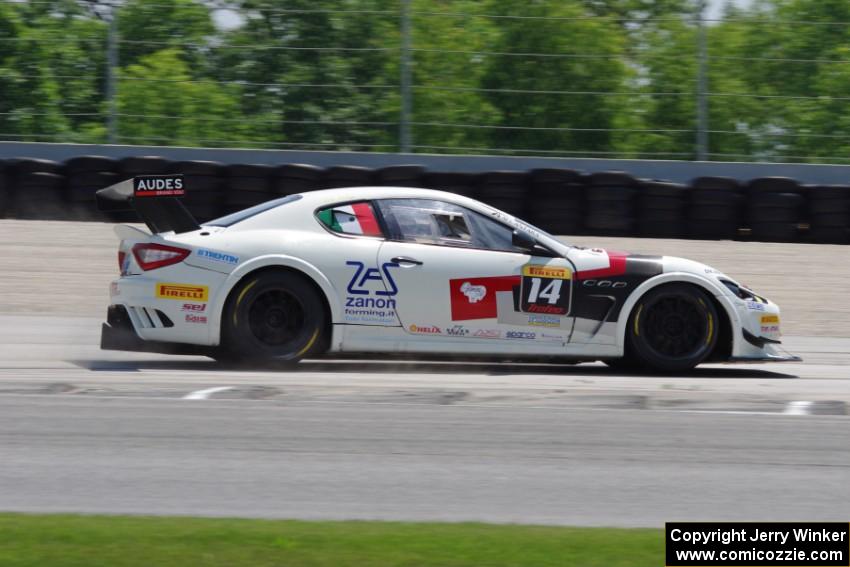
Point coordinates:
[[561, 201]]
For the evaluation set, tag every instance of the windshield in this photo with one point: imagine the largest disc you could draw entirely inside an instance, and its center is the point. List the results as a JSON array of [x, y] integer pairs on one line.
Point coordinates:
[[538, 234], [239, 216]]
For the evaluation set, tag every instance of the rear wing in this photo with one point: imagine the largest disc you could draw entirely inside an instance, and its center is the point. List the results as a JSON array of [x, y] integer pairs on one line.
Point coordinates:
[[155, 200]]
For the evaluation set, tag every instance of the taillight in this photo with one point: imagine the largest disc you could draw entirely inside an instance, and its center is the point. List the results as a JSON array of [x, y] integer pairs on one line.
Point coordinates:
[[153, 256]]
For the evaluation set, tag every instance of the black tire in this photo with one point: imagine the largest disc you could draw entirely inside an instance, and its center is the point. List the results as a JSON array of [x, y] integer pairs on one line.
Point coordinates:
[[86, 164], [347, 176], [301, 171], [774, 232], [142, 165], [621, 208], [671, 229], [197, 168], [663, 189], [773, 185], [274, 316], [605, 193], [672, 328], [700, 197], [839, 220], [716, 183], [253, 184], [614, 223], [24, 166], [829, 235], [713, 213], [612, 179], [773, 214], [829, 206], [712, 230], [543, 176], [784, 200], [249, 170], [662, 204], [818, 192], [400, 175]]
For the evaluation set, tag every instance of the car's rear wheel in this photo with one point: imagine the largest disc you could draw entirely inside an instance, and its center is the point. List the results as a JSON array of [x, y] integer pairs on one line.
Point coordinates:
[[672, 328], [273, 316]]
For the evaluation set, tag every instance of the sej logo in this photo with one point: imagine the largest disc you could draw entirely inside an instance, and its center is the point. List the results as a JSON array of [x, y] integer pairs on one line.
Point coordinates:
[[359, 283]]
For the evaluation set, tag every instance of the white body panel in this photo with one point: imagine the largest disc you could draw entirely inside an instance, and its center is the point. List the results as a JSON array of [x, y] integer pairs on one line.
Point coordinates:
[[378, 303]]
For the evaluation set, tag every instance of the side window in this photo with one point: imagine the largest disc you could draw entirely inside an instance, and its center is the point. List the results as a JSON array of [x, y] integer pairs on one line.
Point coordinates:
[[427, 221], [352, 218]]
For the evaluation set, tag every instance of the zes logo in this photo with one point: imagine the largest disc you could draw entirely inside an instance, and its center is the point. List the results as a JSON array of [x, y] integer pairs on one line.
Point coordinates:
[[457, 331], [182, 292]]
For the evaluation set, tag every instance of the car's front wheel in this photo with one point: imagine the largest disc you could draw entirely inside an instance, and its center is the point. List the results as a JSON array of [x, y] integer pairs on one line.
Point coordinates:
[[672, 328], [273, 316]]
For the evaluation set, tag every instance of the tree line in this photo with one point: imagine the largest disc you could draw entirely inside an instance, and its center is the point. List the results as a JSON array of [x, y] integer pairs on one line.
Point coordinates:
[[597, 78]]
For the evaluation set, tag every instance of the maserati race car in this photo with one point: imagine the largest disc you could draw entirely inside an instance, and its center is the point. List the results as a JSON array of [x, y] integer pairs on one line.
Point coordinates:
[[398, 270]]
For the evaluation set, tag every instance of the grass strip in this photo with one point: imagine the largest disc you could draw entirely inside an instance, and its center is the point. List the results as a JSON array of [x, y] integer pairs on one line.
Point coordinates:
[[123, 541]]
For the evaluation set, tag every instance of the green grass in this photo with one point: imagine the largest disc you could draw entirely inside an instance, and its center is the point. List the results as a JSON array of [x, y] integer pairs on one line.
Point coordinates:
[[119, 541]]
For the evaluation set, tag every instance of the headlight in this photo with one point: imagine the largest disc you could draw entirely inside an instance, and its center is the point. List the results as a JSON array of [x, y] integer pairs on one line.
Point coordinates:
[[743, 292]]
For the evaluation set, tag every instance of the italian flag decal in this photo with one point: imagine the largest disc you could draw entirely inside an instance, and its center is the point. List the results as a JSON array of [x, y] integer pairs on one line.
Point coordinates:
[[358, 218]]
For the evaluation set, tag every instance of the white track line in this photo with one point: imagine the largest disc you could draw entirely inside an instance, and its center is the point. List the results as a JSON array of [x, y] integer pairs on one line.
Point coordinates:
[[204, 394], [798, 408]]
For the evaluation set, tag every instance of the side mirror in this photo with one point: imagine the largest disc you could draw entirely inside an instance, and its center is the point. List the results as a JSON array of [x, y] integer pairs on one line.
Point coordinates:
[[523, 241]]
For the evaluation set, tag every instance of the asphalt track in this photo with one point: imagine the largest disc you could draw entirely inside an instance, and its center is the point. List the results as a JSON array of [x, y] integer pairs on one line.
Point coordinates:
[[83, 430], [88, 431]]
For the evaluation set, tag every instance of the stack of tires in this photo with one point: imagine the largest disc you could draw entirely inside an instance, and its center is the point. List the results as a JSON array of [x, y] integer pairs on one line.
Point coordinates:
[[294, 178], [204, 185], [556, 200], [85, 176], [37, 189], [610, 198], [458, 183], [714, 210], [347, 176], [400, 176], [774, 209], [662, 209], [504, 190], [142, 165], [246, 185], [4, 200], [829, 213]]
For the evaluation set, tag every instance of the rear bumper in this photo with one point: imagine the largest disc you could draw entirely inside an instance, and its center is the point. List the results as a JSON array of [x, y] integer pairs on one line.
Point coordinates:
[[118, 334]]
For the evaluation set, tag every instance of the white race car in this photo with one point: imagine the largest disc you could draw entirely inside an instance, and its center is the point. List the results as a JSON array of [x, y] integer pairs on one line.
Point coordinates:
[[395, 270]]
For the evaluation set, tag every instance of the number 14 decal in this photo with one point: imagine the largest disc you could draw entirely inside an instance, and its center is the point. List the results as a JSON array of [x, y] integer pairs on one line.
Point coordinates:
[[543, 290]]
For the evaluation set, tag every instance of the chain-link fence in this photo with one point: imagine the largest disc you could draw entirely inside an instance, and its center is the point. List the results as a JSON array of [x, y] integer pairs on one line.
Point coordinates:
[[571, 78]]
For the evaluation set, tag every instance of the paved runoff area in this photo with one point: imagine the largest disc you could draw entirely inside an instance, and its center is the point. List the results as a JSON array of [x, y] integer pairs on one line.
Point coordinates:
[[83, 430]]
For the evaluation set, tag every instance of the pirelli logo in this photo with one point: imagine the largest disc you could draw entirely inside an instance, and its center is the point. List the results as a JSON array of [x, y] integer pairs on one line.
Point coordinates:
[[182, 292], [769, 319], [547, 272]]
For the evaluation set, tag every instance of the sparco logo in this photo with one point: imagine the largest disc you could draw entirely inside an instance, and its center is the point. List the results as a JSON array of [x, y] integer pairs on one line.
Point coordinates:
[[604, 283], [520, 335]]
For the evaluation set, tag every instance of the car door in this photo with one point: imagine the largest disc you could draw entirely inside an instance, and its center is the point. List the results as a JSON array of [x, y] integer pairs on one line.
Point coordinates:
[[350, 260], [459, 280]]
